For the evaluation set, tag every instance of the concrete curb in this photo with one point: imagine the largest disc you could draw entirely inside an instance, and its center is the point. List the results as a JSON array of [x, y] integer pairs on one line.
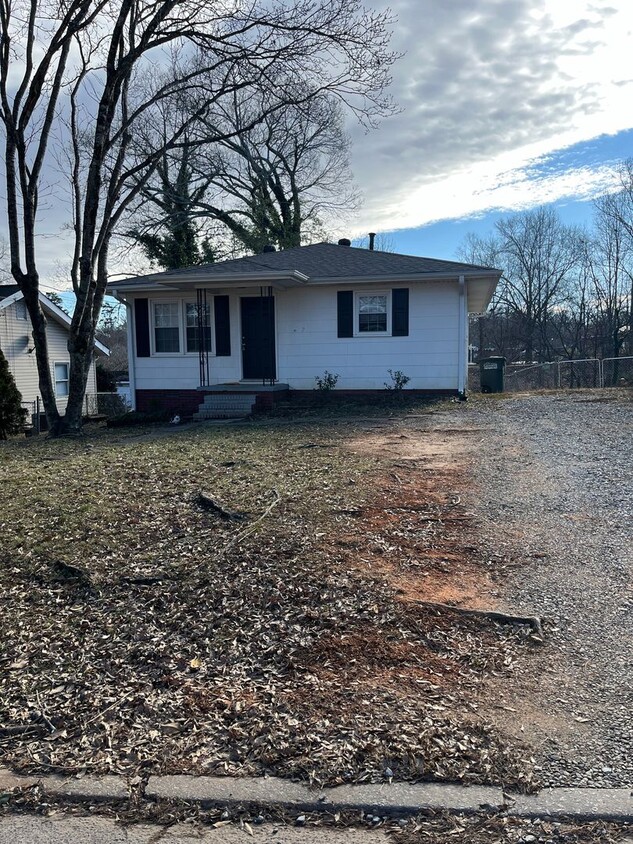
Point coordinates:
[[396, 799], [86, 789]]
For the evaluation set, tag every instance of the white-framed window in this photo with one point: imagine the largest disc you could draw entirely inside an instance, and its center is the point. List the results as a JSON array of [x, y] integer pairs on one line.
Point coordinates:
[[192, 332], [175, 327], [166, 319], [20, 310], [61, 378], [372, 313]]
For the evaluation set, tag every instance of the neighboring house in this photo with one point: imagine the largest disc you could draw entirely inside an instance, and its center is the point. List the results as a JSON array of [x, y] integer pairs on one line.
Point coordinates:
[[16, 342], [270, 323]]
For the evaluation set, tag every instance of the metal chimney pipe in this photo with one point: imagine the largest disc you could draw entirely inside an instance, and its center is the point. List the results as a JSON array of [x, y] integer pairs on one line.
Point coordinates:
[[372, 235]]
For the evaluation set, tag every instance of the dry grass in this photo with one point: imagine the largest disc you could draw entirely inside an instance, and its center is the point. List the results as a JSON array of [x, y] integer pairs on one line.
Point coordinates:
[[184, 642]]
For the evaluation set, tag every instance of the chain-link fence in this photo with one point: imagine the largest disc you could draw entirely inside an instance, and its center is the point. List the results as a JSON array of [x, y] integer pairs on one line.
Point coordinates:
[[562, 375], [104, 404], [617, 372]]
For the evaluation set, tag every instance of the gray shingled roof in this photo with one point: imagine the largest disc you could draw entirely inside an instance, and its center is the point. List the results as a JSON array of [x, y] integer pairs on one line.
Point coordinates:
[[322, 261]]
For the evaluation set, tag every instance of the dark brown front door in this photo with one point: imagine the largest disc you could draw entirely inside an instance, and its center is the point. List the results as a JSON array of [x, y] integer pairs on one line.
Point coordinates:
[[258, 338]]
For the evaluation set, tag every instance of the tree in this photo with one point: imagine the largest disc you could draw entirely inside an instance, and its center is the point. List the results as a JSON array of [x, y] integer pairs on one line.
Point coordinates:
[[90, 70], [612, 264], [174, 238], [56, 299], [12, 414], [112, 332], [540, 257], [268, 185]]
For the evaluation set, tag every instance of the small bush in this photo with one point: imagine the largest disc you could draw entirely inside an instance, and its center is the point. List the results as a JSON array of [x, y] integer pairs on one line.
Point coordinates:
[[327, 382], [398, 380], [12, 414]]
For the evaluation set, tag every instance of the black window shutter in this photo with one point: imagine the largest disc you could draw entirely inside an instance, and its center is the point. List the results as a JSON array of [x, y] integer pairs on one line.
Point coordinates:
[[400, 312], [345, 313], [141, 327], [222, 326]]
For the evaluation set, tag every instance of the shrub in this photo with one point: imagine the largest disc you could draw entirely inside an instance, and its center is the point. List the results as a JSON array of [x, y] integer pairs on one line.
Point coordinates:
[[327, 382], [398, 380], [12, 414]]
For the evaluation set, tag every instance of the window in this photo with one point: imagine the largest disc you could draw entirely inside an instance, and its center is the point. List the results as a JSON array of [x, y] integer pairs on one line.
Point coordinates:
[[166, 327], [20, 310], [372, 313], [61, 379], [192, 329]]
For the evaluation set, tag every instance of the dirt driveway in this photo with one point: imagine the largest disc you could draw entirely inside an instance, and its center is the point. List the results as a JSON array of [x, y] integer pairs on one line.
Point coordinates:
[[548, 481]]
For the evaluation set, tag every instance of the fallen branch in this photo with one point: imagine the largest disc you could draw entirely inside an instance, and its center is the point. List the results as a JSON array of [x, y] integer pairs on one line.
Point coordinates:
[[23, 729], [144, 581], [208, 503], [255, 524], [533, 621]]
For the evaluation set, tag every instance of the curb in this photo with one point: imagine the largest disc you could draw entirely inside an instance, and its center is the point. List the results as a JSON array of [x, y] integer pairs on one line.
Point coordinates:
[[395, 799]]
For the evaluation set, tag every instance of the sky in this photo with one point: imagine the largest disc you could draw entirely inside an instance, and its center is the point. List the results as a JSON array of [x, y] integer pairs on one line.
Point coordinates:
[[505, 105]]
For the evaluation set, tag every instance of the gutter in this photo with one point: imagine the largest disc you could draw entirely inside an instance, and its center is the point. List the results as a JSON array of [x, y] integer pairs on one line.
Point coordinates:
[[462, 339], [229, 280]]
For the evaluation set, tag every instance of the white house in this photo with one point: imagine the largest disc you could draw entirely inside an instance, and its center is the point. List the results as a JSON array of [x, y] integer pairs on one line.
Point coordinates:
[[262, 325], [16, 342]]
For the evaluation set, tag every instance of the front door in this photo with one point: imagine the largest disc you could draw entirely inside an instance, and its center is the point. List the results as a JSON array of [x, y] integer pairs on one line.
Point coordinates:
[[258, 338]]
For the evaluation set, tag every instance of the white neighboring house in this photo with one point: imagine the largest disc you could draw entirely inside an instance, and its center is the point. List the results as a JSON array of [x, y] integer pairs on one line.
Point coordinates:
[[263, 325], [16, 342]]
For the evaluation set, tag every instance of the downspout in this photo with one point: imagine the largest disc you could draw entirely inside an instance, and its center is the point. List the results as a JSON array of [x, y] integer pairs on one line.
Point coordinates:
[[130, 348], [462, 340]]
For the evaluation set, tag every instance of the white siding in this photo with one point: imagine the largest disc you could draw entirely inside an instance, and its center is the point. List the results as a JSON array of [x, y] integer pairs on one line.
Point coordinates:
[[307, 344], [15, 342]]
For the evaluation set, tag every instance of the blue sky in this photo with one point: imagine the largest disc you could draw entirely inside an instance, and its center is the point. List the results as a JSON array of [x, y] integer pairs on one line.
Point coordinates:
[[442, 239], [505, 105]]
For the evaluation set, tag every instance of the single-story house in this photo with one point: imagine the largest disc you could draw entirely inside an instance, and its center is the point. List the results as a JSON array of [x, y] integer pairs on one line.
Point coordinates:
[[262, 325], [16, 342]]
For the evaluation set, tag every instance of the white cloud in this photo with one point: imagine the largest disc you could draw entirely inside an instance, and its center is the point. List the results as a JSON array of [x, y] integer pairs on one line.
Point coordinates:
[[487, 89]]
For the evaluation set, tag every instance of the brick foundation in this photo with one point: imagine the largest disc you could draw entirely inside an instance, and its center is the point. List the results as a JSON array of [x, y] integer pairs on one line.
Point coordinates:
[[183, 402]]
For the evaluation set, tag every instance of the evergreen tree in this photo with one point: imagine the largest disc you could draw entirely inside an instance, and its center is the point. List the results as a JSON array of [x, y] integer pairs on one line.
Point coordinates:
[[11, 411]]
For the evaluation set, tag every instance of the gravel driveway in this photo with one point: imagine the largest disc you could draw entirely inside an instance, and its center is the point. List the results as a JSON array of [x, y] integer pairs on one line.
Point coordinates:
[[553, 497]]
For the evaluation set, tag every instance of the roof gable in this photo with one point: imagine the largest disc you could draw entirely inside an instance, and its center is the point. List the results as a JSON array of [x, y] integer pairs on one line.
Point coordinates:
[[9, 294]]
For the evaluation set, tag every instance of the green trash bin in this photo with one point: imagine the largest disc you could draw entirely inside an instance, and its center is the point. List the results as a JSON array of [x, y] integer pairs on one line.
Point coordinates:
[[492, 373]]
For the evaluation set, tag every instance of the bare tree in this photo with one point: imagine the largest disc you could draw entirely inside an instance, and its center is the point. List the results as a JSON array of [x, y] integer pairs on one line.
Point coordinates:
[[610, 268], [539, 257], [91, 70], [614, 285], [272, 180]]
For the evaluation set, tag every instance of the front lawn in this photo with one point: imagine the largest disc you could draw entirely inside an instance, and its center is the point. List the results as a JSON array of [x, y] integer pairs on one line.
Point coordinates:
[[141, 632]]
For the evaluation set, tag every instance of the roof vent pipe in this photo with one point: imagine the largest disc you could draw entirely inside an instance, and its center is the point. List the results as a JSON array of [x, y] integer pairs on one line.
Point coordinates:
[[344, 242], [372, 236]]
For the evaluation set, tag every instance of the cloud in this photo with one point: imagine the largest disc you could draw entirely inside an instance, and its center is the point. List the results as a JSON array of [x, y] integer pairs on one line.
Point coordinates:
[[496, 85]]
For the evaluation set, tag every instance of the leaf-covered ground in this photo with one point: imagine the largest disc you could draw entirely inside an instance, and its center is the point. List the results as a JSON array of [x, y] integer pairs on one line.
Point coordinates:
[[142, 632]]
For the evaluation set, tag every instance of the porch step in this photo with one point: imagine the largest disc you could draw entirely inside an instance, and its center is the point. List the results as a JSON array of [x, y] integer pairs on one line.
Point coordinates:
[[226, 406]]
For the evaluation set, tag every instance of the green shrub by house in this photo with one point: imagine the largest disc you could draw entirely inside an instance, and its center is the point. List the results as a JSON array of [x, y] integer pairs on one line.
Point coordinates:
[[11, 411]]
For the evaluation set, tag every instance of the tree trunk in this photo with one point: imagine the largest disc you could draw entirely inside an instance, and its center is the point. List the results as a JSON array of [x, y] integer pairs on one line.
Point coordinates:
[[29, 289]]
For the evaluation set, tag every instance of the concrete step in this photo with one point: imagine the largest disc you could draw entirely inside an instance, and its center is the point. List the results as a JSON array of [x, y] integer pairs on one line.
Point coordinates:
[[226, 406], [222, 413], [232, 398]]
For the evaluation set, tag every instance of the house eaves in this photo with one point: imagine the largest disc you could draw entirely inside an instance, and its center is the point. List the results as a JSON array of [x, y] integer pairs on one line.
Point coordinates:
[[280, 280]]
